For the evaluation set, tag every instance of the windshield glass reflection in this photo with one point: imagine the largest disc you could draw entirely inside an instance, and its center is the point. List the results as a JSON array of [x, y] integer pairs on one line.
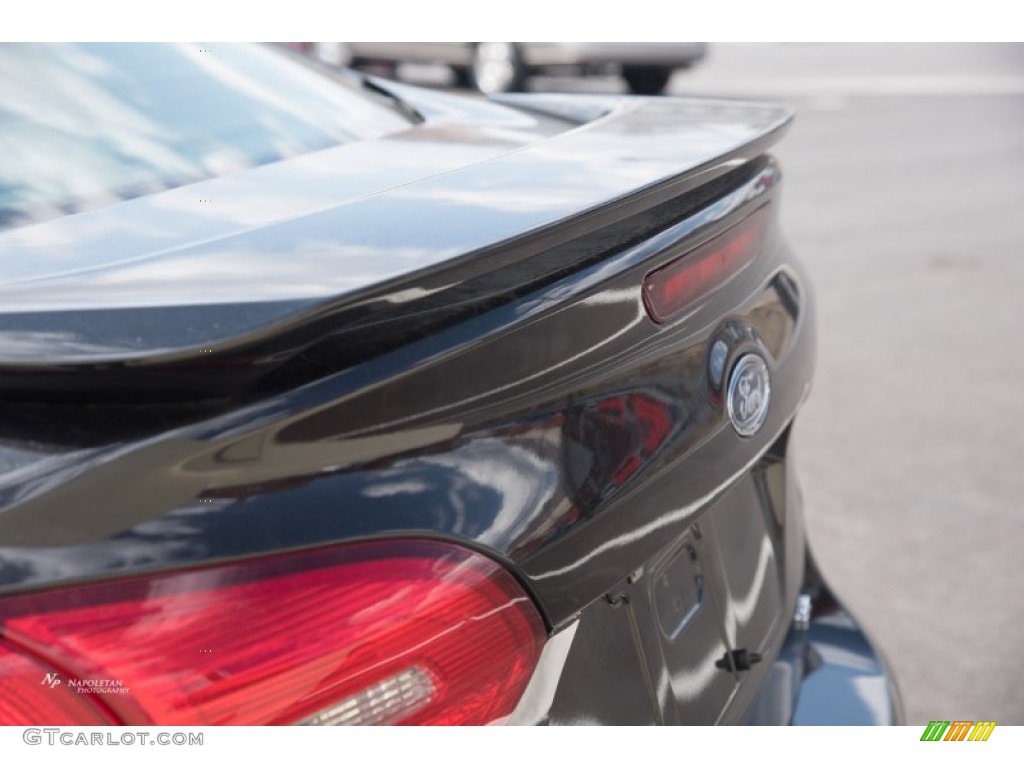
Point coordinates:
[[86, 125]]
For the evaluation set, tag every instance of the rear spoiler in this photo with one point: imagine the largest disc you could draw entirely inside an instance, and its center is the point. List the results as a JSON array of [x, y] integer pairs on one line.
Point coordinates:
[[490, 231]]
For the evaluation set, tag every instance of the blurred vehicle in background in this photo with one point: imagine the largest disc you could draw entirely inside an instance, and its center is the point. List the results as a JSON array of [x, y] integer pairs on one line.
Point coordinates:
[[502, 67]]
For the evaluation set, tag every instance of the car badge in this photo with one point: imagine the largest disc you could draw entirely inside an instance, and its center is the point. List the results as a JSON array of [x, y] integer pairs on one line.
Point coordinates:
[[750, 391]]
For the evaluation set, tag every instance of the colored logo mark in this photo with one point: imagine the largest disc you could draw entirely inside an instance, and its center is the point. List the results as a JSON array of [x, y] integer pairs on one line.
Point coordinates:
[[958, 730]]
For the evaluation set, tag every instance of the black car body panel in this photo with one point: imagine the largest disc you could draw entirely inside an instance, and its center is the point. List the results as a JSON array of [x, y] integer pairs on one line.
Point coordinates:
[[442, 334], [447, 213]]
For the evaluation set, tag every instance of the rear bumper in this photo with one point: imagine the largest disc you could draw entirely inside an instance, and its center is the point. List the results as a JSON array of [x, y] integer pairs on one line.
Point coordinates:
[[828, 673]]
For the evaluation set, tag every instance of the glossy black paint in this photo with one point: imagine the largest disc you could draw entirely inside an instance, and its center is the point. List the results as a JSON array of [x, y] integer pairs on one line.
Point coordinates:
[[384, 222], [826, 673], [438, 416], [546, 420]]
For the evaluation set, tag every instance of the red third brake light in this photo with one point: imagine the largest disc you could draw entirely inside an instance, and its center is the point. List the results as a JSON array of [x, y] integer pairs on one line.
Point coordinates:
[[671, 288], [410, 632]]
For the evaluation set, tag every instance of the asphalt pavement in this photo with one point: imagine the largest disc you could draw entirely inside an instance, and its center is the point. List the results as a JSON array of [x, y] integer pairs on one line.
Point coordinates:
[[904, 190]]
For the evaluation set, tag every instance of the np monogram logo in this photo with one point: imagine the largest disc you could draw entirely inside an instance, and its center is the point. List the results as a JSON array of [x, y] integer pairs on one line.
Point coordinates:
[[750, 392], [52, 679]]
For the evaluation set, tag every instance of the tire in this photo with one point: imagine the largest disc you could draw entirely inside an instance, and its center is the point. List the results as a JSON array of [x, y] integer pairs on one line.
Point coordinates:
[[463, 77], [497, 68], [647, 81]]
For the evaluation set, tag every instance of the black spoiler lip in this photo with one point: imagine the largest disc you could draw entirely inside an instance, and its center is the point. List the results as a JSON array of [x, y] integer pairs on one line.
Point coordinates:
[[482, 226]]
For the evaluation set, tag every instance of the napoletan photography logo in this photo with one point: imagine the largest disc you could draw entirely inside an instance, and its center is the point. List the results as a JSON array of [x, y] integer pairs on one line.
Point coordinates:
[[958, 730], [98, 685]]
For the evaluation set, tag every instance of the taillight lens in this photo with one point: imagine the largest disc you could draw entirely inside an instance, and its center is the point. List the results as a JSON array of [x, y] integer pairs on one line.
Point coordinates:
[[671, 288], [33, 694], [412, 632]]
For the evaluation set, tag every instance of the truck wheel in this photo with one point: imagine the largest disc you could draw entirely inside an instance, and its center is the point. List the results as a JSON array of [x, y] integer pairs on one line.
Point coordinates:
[[463, 77], [648, 81]]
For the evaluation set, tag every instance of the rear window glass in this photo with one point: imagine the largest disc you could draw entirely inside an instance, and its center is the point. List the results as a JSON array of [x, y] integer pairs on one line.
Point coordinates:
[[85, 125]]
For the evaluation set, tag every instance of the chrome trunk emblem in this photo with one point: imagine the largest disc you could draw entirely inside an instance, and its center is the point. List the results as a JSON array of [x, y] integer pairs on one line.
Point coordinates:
[[750, 391]]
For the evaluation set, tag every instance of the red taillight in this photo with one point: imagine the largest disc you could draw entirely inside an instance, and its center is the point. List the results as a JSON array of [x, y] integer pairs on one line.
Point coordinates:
[[389, 632], [670, 289], [33, 694]]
